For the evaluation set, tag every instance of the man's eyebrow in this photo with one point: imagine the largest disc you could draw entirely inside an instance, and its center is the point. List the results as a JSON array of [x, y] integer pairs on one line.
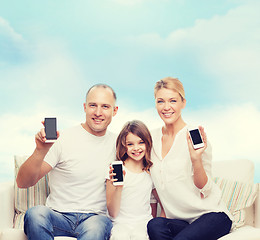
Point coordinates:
[[102, 104]]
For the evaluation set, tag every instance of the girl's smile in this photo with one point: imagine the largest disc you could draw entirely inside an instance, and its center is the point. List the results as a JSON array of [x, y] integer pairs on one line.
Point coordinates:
[[135, 147]]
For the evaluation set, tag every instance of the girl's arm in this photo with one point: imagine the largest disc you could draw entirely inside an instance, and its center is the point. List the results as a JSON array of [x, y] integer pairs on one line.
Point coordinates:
[[113, 195], [154, 192], [200, 177]]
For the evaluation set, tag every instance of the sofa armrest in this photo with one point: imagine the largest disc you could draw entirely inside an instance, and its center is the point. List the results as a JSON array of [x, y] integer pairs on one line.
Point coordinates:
[[257, 208], [6, 204]]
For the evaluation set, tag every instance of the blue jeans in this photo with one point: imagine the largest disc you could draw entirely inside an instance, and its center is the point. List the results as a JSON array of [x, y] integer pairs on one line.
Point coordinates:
[[43, 223], [210, 226]]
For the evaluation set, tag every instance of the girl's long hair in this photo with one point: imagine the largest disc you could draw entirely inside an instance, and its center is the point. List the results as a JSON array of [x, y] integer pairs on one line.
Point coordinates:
[[139, 129]]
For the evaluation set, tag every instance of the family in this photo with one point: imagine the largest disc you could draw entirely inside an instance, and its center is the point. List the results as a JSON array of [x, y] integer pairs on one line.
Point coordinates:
[[160, 166]]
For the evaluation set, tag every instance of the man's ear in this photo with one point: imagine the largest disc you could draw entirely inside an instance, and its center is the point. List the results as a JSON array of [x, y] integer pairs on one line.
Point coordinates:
[[84, 104], [115, 110]]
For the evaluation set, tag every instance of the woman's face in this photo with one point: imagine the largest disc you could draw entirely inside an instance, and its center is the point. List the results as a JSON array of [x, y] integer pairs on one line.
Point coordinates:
[[169, 105]]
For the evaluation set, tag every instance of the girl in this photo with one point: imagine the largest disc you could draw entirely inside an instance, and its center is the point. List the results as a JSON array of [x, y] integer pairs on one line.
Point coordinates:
[[182, 175], [129, 204]]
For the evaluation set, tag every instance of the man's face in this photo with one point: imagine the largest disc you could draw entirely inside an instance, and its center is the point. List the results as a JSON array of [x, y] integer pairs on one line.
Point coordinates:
[[99, 108]]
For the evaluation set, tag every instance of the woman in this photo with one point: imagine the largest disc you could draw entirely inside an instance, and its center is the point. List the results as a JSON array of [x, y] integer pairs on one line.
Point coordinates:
[[182, 175]]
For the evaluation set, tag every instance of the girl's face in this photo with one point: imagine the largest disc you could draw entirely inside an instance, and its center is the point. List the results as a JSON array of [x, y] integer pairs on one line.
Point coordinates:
[[135, 147], [169, 105]]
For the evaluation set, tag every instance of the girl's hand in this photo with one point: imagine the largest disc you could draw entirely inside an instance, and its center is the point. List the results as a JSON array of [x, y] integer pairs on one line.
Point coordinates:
[[195, 154], [111, 175]]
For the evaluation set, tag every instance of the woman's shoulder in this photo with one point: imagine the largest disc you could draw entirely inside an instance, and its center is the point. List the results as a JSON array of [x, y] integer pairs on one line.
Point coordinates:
[[156, 132]]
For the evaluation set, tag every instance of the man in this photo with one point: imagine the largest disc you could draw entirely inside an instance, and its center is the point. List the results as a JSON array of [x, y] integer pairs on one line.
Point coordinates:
[[77, 164]]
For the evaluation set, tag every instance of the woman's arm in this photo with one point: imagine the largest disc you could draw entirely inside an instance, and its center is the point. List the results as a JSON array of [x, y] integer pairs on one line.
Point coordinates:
[[200, 177]]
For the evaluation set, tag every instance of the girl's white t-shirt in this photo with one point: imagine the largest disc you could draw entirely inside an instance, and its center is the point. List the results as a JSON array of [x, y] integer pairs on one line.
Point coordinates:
[[80, 161], [135, 198]]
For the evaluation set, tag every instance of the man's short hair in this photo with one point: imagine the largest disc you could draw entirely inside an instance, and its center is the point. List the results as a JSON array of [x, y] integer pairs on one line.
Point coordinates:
[[102, 85]]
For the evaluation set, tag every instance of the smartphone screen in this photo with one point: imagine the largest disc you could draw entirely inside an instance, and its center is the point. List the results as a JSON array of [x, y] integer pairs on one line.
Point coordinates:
[[118, 170], [50, 128], [195, 135]]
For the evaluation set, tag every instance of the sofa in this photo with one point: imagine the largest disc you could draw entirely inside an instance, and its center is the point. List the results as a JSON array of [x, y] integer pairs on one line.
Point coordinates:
[[234, 177]]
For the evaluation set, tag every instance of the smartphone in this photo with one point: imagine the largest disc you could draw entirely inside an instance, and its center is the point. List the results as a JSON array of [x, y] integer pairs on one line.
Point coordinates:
[[118, 170], [50, 125], [196, 138]]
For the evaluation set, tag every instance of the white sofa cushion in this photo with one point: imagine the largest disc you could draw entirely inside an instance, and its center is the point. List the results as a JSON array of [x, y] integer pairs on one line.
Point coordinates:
[[237, 170], [28, 197], [237, 196], [18, 234], [243, 233]]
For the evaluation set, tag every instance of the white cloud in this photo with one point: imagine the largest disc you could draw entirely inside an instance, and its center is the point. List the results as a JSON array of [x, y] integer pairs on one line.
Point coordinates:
[[128, 2], [51, 66], [238, 26], [226, 49], [12, 45], [52, 79], [49, 77], [233, 131], [7, 31], [17, 135], [46, 64], [149, 117], [131, 2]]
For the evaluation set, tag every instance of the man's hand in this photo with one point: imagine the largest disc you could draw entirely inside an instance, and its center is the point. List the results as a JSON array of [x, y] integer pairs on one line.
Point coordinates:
[[40, 139], [34, 168]]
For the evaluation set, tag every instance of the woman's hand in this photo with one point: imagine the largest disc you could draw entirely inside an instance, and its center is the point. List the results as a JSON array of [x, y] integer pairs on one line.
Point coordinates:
[[196, 154]]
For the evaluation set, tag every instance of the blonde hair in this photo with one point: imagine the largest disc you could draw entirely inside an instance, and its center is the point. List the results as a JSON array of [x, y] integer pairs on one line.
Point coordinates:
[[172, 84]]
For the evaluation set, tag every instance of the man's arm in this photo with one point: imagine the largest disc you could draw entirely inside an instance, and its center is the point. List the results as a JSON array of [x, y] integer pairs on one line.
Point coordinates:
[[34, 168]]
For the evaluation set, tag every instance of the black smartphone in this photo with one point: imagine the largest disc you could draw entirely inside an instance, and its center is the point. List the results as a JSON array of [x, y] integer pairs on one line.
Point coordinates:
[[50, 125], [196, 138], [118, 170]]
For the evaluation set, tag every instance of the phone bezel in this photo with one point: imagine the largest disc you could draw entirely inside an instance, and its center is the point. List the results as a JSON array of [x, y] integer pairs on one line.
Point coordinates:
[[52, 140], [118, 163], [199, 145]]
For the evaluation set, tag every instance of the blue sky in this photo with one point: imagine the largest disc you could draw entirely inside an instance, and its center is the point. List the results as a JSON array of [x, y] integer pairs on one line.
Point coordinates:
[[51, 52]]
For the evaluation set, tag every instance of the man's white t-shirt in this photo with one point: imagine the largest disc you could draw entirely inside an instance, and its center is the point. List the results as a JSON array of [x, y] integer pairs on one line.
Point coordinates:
[[80, 161]]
